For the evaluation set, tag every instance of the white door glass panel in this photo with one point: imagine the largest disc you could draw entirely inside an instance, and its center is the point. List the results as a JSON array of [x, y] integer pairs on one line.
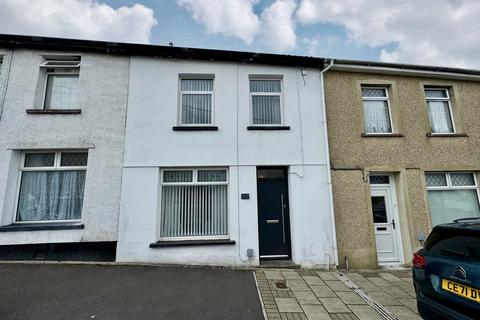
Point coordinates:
[[448, 205], [61, 92]]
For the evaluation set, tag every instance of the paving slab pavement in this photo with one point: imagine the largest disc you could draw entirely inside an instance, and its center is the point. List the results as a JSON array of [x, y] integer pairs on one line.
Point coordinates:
[[322, 295]]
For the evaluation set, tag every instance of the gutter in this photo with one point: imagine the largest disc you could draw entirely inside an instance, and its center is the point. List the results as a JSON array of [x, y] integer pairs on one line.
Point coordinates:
[[408, 71], [327, 154]]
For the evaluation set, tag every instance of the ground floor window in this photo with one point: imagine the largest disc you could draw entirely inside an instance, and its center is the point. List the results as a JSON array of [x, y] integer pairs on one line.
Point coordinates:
[[452, 196], [52, 184], [194, 203]]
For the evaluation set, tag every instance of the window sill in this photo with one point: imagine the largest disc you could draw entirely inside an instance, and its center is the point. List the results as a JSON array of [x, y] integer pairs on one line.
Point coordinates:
[[54, 111], [382, 135], [195, 128], [182, 243], [268, 128], [41, 226], [446, 135]]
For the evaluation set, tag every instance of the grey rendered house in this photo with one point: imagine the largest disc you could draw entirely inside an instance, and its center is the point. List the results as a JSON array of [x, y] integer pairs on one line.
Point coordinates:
[[62, 120]]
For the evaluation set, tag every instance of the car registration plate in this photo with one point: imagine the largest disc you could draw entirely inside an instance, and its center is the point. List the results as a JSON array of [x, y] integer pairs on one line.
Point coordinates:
[[461, 290]]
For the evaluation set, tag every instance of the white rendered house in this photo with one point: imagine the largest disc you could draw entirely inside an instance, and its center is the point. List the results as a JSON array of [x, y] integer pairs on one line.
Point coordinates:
[[226, 161]]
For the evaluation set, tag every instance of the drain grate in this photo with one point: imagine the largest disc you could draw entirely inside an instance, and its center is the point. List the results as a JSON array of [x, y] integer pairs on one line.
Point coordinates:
[[281, 285], [384, 312]]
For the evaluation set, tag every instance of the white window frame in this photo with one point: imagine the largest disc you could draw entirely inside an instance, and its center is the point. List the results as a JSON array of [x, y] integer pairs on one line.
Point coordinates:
[[181, 93], [446, 99], [56, 167], [279, 94], [450, 187], [386, 98], [194, 182], [69, 68]]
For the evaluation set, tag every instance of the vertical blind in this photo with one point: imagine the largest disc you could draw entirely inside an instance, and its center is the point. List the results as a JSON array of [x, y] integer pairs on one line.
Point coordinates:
[[194, 204], [266, 105], [196, 107]]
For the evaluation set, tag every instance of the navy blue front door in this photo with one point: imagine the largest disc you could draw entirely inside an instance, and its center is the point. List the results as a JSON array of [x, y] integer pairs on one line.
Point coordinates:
[[273, 215]]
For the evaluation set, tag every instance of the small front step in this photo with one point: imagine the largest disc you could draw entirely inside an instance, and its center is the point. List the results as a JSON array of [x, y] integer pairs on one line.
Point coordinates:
[[279, 264]]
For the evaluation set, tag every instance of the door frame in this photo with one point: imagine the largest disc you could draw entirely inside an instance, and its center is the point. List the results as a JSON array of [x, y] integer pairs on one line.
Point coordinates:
[[393, 195], [287, 215]]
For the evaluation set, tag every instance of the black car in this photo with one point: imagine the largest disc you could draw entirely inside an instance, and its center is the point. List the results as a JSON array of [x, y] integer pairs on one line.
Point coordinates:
[[446, 272]]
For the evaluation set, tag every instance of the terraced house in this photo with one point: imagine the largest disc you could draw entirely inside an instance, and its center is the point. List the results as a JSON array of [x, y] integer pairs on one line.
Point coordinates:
[[405, 155], [155, 154], [62, 123]]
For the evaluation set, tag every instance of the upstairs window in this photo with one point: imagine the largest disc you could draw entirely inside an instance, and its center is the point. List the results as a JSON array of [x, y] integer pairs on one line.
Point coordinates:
[[196, 101], [439, 110], [266, 100], [376, 110], [52, 184], [452, 195], [61, 83]]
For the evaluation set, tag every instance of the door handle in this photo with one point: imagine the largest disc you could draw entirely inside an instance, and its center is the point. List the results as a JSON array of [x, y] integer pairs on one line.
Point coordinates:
[[393, 223], [273, 221], [283, 217]]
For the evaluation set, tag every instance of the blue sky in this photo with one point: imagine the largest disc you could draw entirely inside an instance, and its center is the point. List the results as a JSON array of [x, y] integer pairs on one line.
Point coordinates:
[[431, 32], [175, 24]]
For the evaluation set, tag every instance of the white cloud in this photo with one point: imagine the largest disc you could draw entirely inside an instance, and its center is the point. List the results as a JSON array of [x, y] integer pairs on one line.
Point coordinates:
[[278, 26], [232, 18], [274, 27], [435, 32], [85, 19]]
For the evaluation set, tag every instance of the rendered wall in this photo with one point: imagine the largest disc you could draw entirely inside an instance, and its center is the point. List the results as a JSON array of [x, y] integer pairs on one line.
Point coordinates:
[[151, 144], [99, 128]]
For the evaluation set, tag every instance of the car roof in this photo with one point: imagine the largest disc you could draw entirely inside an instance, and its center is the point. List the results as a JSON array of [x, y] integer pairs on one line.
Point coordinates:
[[461, 224]]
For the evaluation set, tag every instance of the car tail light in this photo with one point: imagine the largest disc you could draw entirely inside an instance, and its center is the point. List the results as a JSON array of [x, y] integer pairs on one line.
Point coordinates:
[[418, 260]]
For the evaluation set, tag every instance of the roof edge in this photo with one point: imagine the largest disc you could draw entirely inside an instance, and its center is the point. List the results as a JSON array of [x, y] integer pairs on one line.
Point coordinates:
[[10, 41], [405, 69]]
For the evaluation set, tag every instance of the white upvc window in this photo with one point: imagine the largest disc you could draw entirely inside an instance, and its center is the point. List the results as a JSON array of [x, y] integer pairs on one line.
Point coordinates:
[[452, 195], [376, 110], [51, 186], [266, 101], [439, 110], [194, 204], [61, 84], [196, 100]]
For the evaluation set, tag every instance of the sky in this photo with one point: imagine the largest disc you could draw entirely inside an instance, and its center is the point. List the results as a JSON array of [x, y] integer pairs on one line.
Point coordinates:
[[430, 32]]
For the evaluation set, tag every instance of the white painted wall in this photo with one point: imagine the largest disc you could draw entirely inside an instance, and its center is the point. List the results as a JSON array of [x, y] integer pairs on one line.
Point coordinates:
[[100, 128], [152, 144]]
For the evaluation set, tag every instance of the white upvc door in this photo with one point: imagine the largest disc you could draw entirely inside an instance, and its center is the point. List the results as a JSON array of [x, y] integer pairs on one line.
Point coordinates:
[[386, 224]]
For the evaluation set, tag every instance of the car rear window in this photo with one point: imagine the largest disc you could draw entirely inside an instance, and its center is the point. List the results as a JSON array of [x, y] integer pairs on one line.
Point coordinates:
[[458, 244]]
